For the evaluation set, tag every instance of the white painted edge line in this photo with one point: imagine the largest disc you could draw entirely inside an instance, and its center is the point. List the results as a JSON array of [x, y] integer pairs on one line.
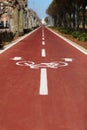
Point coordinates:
[[43, 53], [16, 41], [83, 50], [43, 82]]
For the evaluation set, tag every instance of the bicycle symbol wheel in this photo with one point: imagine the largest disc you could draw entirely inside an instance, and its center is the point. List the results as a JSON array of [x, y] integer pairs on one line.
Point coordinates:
[[32, 65]]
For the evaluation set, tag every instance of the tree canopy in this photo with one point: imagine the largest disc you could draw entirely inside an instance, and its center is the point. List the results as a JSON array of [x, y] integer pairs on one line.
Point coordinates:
[[68, 13]]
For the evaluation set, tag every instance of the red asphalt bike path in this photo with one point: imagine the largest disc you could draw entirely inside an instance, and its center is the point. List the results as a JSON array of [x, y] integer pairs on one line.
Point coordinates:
[[21, 105]]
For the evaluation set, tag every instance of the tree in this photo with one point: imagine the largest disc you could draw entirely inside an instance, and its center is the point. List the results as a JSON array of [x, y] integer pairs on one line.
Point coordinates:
[[68, 12], [52, 11], [84, 11]]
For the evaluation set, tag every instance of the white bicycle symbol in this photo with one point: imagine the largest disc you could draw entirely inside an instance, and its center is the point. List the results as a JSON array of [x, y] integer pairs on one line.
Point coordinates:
[[32, 65]]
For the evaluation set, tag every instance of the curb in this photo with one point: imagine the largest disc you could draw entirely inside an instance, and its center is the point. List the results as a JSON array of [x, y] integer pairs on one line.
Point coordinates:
[[11, 44], [80, 48]]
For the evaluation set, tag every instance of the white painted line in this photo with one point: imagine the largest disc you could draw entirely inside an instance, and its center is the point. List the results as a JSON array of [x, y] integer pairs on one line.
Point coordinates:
[[16, 58], [68, 59], [16, 41], [43, 82], [42, 35], [43, 42], [78, 47], [43, 38], [42, 32], [43, 53]]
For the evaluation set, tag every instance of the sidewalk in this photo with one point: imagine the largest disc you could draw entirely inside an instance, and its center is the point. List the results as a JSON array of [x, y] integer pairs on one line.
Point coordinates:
[[6, 47]]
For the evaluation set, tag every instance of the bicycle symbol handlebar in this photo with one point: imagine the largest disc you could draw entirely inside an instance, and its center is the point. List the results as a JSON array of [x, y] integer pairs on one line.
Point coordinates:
[[32, 65]]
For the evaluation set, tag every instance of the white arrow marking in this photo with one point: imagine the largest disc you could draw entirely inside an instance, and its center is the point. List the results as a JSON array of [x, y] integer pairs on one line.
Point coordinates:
[[43, 82], [68, 59], [16, 58]]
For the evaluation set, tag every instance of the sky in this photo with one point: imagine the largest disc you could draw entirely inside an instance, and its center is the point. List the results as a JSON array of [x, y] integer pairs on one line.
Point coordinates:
[[39, 6]]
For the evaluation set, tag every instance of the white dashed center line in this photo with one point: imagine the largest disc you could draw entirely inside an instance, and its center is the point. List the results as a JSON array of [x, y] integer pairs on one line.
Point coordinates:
[[43, 38], [43, 42], [43, 76], [43, 82], [43, 53], [42, 35]]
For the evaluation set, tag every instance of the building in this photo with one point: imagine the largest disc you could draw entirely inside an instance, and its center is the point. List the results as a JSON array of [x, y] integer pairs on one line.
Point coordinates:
[[34, 20], [16, 17], [49, 21], [4, 17], [13, 15], [19, 16]]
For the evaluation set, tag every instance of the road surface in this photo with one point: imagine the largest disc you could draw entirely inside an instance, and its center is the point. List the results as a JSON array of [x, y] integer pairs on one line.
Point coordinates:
[[43, 84]]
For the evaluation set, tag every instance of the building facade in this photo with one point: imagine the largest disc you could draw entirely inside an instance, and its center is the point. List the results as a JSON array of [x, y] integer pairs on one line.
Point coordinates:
[[34, 20], [16, 17], [4, 18]]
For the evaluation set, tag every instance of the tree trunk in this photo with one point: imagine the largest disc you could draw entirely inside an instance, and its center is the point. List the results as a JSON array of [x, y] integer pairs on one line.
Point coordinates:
[[74, 23], [77, 17], [83, 20]]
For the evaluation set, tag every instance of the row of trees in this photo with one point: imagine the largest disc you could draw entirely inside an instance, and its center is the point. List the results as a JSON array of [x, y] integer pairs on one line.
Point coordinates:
[[69, 14]]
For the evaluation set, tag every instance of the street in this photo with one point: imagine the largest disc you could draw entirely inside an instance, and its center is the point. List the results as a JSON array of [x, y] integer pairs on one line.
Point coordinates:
[[43, 84]]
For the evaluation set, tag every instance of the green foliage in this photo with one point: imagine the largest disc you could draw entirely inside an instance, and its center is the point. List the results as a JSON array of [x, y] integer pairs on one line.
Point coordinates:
[[63, 30], [6, 36], [81, 36], [67, 13], [75, 34]]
